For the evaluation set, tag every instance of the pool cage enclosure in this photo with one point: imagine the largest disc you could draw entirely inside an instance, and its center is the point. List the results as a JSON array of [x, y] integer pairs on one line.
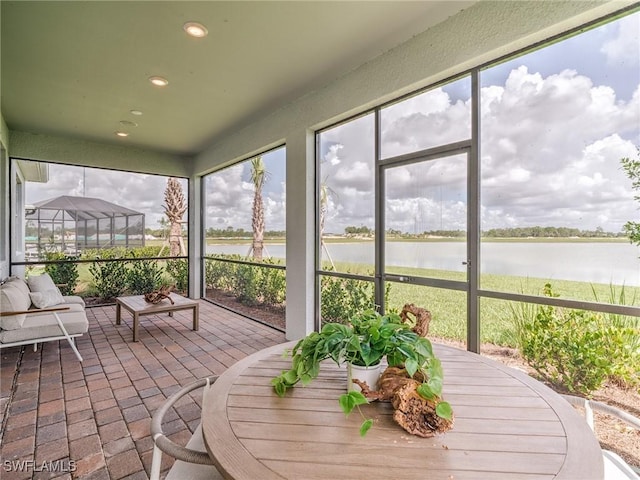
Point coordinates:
[[72, 224]]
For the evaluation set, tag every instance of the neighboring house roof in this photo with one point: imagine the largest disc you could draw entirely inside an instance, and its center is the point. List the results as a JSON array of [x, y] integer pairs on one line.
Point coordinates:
[[81, 208]]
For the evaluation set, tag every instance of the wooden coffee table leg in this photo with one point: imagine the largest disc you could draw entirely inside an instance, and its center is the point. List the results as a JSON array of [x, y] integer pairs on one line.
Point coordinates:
[[136, 320], [196, 317]]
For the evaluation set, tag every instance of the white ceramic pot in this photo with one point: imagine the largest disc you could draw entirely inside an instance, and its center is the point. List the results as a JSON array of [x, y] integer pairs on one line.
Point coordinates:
[[371, 375]]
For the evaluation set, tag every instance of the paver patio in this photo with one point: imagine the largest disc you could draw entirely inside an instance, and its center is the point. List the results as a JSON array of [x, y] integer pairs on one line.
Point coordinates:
[[65, 419]]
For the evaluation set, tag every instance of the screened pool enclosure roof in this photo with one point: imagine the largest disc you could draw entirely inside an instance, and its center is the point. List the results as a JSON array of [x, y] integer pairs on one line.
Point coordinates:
[[71, 224]]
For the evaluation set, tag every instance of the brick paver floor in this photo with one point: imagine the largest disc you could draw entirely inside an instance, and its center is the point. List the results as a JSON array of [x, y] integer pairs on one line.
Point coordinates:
[[64, 419]]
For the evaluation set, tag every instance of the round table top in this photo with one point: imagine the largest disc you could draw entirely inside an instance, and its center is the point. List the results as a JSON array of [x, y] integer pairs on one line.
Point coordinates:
[[507, 426]]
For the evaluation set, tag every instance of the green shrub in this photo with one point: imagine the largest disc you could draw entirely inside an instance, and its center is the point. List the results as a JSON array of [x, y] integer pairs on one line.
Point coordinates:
[[273, 284], [65, 275], [148, 251], [109, 278], [246, 284], [179, 271], [220, 274], [574, 348], [143, 276], [344, 298], [104, 253]]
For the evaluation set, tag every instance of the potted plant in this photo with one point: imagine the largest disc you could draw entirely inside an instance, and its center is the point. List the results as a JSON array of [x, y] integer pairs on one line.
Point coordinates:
[[365, 341]]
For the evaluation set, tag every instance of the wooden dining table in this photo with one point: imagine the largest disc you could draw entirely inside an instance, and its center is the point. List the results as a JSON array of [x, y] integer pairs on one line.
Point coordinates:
[[507, 426]]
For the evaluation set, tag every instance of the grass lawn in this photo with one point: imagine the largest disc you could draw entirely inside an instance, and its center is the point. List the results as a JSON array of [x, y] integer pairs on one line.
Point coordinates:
[[449, 308]]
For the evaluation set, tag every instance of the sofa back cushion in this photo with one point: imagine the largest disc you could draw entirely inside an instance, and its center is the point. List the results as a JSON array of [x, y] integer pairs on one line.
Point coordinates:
[[12, 299], [20, 284]]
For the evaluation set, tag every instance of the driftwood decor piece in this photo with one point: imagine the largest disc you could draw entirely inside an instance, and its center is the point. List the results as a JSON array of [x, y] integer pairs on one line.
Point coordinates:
[[416, 414], [413, 412], [421, 318], [158, 295]]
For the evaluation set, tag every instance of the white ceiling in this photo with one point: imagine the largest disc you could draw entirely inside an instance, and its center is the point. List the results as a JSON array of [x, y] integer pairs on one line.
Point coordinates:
[[76, 69]]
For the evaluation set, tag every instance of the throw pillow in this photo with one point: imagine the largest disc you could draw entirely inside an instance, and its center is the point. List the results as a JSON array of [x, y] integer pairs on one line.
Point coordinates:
[[40, 283], [46, 298]]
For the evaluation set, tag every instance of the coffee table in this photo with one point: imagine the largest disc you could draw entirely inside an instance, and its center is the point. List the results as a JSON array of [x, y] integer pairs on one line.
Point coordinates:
[[138, 307]]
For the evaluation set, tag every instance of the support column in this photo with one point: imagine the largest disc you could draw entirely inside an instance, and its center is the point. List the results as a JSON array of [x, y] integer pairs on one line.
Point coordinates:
[[300, 234], [196, 262]]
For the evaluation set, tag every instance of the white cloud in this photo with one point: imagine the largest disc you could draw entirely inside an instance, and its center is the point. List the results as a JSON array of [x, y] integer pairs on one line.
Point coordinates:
[[424, 121], [551, 149], [624, 47]]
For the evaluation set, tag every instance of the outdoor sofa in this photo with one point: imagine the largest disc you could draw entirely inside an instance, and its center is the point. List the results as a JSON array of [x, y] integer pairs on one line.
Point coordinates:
[[34, 311]]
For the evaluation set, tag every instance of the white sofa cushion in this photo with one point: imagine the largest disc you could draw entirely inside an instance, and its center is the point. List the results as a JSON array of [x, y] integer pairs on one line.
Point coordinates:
[[44, 324], [73, 299], [46, 298], [19, 284], [12, 299]]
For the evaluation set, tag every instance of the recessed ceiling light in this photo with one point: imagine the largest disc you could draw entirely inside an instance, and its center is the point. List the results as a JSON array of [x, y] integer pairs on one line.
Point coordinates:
[[195, 29], [122, 134], [159, 81], [128, 123], [135, 112]]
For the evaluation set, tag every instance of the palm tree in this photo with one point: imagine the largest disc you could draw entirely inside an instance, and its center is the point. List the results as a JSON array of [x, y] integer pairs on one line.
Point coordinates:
[[325, 193], [258, 176], [174, 208]]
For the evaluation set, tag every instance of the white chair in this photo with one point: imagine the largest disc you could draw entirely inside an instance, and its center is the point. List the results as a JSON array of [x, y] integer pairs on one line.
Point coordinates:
[[615, 468], [192, 461]]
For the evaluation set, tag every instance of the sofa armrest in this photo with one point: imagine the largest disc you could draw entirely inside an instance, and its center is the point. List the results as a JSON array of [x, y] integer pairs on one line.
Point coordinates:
[[35, 310]]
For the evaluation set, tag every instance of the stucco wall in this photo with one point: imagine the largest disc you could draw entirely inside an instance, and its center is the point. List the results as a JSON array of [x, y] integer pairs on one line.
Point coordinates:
[[50, 148], [4, 195]]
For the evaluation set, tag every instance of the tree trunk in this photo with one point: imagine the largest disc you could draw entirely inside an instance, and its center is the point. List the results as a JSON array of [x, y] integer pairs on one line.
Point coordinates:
[[258, 226], [174, 239], [175, 206]]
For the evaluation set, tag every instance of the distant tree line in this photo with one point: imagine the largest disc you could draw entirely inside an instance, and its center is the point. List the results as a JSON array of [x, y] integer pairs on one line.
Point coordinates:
[[517, 232], [362, 230], [231, 232], [549, 232]]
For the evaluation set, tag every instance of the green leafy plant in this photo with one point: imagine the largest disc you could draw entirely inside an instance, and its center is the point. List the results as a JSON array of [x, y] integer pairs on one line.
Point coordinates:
[[64, 274], [345, 297], [143, 276], [219, 274], [366, 340], [179, 271], [353, 399], [576, 349], [246, 285], [273, 285], [631, 167], [109, 277]]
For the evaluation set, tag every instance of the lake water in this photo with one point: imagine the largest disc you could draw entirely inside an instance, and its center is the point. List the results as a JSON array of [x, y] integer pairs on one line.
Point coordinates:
[[597, 262]]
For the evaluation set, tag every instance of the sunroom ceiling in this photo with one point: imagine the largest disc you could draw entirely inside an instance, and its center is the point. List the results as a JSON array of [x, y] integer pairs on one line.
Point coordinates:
[[77, 69]]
